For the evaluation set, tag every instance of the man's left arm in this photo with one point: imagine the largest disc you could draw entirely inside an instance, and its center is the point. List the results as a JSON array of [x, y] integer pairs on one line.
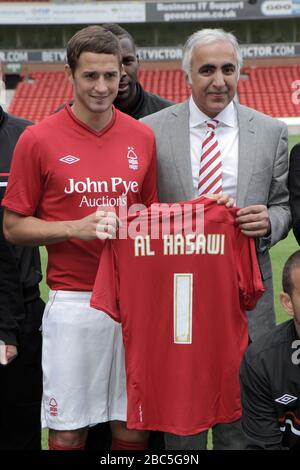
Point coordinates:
[[270, 222], [259, 420], [11, 301]]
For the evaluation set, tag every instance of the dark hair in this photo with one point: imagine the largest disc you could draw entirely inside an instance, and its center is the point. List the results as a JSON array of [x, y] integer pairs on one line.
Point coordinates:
[[118, 31], [92, 39], [292, 263]]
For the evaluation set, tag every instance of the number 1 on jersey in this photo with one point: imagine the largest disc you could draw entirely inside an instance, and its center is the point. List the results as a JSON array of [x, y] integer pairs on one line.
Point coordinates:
[[183, 306]]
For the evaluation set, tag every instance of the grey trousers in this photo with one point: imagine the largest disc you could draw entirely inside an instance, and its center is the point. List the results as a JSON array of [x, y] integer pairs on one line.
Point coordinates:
[[227, 436]]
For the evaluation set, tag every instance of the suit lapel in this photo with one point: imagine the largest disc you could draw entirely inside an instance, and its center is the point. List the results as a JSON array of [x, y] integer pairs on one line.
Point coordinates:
[[247, 151], [180, 151]]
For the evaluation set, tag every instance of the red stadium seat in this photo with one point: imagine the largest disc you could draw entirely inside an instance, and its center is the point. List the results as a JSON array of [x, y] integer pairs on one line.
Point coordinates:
[[269, 89]]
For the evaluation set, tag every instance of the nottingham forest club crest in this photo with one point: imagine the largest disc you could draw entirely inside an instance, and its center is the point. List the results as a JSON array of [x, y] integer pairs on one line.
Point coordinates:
[[132, 158]]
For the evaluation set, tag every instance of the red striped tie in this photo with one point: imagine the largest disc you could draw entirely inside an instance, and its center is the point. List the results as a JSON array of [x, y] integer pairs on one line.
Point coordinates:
[[210, 174]]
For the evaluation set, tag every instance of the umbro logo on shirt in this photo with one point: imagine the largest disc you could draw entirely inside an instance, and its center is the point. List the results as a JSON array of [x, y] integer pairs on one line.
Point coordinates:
[[286, 399], [69, 159]]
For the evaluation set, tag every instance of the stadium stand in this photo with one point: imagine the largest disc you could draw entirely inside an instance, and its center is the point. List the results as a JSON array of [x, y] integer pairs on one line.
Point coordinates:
[[267, 89], [170, 84], [39, 96]]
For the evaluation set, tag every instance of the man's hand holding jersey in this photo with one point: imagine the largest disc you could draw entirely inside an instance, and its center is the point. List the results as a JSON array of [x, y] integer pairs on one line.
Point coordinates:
[[107, 225], [29, 230], [222, 198], [254, 221], [101, 224]]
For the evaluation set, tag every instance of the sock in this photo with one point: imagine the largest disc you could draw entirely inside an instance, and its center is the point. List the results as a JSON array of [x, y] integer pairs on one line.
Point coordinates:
[[53, 446], [117, 444]]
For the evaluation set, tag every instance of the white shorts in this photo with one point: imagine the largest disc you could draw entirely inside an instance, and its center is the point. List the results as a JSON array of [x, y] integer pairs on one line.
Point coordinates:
[[83, 364]]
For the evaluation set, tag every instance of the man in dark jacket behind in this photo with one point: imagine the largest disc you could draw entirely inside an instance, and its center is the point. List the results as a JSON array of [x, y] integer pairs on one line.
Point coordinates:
[[270, 376], [132, 99], [21, 310]]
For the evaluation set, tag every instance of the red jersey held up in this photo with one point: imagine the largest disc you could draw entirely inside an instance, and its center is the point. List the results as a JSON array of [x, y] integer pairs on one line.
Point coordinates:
[[63, 170], [181, 298]]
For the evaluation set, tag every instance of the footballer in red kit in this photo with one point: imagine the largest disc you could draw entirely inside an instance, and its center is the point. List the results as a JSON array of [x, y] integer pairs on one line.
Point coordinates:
[[86, 157], [72, 174]]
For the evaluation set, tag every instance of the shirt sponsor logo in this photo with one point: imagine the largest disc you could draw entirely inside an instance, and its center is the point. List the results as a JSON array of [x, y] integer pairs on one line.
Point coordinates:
[[286, 399], [69, 159], [133, 161], [117, 186], [114, 185]]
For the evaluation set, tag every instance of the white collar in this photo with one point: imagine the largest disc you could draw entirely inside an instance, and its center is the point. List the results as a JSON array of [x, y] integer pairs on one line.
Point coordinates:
[[228, 116]]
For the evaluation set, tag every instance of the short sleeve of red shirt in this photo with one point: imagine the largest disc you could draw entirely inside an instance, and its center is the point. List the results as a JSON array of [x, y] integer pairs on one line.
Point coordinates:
[[26, 181], [106, 290], [249, 277]]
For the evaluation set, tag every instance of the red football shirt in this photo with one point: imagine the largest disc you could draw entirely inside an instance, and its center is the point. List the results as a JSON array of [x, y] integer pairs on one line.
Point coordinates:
[[63, 170], [181, 299]]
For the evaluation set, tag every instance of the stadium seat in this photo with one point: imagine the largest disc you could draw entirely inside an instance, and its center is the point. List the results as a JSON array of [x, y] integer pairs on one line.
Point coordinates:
[[270, 89]]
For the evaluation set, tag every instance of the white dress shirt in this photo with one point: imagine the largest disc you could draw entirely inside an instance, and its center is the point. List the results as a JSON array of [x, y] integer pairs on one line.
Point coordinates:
[[227, 133]]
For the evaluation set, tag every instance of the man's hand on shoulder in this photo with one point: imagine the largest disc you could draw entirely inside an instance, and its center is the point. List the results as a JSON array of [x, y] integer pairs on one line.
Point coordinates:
[[254, 221]]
